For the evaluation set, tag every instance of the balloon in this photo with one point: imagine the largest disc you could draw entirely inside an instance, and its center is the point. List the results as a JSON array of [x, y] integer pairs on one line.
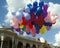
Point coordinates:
[[33, 18], [47, 24], [31, 26], [35, 4], [33, 31], [34, 8], [21, 25], [43, 29], [51, 18], [16, 26], [45, 7], [48, 27], [44, 12], [13, 13], [37, 26], [41, 3], [24, 21], [14, 22], [19, 15], [39, 11], [24, 28], [18, 29], [27, 33], [39, 21], [27, 16], [54, 18], [37, 31], [27, 9], [29, 5], [27, 28], [21, 32], [20, 10]]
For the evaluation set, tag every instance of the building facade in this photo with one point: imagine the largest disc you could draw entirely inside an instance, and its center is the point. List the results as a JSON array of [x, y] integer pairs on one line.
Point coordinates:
[[9, 39]]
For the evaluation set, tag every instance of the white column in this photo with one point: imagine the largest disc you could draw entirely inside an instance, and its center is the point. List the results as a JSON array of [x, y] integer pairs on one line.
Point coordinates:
[[24, 44], [2, 38], [16, 43], [12, 42], [31, 45]]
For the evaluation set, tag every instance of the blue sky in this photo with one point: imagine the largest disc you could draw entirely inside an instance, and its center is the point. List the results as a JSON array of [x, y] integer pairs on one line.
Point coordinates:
[[49, 35]]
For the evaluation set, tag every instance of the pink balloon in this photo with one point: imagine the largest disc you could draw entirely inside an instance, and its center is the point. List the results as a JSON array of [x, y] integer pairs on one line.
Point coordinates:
[[27, 28], [51, 18], [16, 26], [33, 31], [15, 22], [48, 27], [54, 18]]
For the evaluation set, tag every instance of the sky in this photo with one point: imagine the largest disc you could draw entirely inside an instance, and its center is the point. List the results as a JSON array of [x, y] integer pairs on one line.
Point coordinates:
[[52, 36]]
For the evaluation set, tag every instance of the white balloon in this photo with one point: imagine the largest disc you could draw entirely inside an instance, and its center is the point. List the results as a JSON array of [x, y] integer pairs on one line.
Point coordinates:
[[12, 23], [27, 16], [20, 10], [13, 13], [19, 15], [27, 9]]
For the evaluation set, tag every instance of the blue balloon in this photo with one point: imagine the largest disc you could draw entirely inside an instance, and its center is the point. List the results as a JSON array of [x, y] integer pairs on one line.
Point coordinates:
[[35, 3], [21, 32], [37, 26], [34, 9], [37, 31], [27, 33], [47, 24], [29, 5], [41, 3], [39, 11]]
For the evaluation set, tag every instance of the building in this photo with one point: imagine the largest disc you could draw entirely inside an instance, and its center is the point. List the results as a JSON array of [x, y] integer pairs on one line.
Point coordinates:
[[9, 39]]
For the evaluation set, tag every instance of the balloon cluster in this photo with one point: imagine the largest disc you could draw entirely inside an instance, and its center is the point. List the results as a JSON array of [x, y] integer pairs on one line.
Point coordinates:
[[33, 19]]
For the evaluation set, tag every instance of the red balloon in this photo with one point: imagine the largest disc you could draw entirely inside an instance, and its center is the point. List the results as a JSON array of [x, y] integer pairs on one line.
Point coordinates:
[[39, 21], [27, 28], [31, 26], [32, 17], [24, 21]]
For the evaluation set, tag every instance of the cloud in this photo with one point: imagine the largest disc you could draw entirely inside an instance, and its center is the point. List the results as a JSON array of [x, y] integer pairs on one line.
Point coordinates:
[[1, 27], [55, 9], [14, 5], [57, 39]]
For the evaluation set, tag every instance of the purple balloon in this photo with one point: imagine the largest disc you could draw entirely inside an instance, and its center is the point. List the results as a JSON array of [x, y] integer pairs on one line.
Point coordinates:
[[18, 29], [37, 31], [21, 32], [45, 7], [44, 13]]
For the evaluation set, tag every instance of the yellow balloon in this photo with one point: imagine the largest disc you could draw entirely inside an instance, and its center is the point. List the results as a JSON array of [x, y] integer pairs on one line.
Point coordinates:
[[21, 25], [43, 29]]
